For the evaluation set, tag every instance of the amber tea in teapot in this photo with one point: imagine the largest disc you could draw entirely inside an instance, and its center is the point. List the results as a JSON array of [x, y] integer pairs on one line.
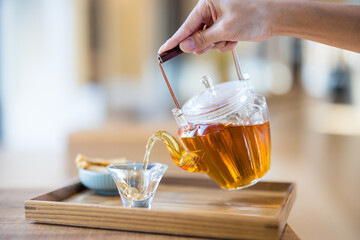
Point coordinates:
[[231, 155]]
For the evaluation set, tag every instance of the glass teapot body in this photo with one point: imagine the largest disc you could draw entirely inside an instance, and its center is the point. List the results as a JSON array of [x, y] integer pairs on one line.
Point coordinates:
[[225, 133]]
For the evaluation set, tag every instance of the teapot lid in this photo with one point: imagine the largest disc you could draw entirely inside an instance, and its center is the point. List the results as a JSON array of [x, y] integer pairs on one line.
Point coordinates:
[[216, 101]]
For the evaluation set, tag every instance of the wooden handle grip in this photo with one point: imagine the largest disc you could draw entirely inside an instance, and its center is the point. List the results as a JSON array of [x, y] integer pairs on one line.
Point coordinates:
[[165, 56]]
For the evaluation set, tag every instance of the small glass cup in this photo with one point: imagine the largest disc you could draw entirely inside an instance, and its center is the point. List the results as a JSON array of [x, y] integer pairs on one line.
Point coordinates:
[[137, 186]]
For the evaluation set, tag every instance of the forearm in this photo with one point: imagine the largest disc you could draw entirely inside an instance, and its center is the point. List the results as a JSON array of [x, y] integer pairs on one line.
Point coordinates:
[[332, 24]]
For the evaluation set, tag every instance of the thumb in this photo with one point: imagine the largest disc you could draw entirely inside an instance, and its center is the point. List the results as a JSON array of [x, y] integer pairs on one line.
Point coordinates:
[[201, 40]]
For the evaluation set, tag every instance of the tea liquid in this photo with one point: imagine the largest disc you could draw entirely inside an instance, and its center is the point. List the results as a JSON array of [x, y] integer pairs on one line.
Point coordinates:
[[233, 156]]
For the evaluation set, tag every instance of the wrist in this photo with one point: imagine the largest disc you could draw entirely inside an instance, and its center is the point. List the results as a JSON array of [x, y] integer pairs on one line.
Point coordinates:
[[279, 10], [274, 17]]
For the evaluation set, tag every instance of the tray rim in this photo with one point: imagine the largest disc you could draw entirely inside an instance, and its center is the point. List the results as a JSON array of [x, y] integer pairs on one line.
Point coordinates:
[[277, 222]]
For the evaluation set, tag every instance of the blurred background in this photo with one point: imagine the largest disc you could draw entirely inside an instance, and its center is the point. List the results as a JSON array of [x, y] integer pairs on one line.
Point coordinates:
[[82, 77]]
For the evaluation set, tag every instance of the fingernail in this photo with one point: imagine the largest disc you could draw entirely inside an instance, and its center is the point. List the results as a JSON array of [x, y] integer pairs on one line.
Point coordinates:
[[188, 45], [160, 49]]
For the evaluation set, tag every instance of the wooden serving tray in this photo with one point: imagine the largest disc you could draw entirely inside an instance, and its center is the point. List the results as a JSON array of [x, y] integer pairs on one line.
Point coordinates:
[[182, 206]]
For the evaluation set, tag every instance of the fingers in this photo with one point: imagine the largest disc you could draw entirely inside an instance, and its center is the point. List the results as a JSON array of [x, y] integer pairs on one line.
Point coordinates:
[[224, 46], [221, 47], [192, 24], [201, 39], [203, 50]]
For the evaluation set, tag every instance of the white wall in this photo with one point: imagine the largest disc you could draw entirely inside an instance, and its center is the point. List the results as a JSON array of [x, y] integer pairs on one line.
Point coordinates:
[[42, 99]]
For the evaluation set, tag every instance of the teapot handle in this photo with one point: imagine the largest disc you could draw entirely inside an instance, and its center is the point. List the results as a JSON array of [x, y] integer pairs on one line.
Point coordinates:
[[166, 56], [237, 67]]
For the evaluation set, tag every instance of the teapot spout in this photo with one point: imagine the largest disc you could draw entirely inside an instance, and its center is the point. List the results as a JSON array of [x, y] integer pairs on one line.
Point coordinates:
[[181, 157]]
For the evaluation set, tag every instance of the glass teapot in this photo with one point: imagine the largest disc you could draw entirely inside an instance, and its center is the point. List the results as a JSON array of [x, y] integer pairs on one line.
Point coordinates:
[[225, 133]]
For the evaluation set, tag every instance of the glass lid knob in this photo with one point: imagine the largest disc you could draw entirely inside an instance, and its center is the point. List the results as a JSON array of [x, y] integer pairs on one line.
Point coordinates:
[[208, 84]]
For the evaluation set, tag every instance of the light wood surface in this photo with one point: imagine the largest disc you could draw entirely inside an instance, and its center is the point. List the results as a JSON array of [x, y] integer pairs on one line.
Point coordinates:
[[191, 207]]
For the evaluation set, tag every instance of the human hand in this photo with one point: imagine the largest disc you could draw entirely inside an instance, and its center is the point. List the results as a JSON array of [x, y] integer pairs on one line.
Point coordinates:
[[226, 22]]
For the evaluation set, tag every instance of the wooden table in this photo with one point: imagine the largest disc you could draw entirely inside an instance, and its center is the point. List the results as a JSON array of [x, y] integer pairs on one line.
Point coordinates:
[[14, 226]]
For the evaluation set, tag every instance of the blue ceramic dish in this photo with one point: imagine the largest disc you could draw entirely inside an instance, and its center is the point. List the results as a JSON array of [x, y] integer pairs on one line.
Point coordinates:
[[101, 183]]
